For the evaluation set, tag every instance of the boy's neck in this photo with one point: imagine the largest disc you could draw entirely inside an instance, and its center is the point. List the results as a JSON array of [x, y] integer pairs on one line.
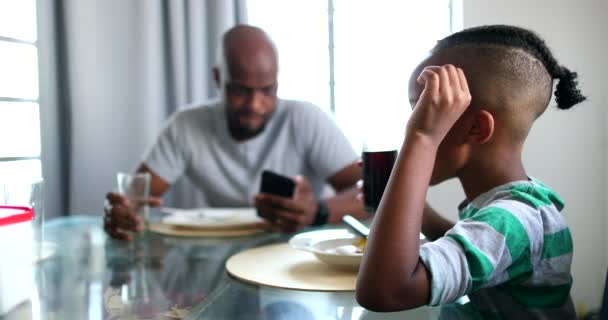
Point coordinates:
[[491, 172]]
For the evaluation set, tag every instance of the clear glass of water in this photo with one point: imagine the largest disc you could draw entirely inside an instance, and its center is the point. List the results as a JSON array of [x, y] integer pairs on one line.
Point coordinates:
[[136, 188]]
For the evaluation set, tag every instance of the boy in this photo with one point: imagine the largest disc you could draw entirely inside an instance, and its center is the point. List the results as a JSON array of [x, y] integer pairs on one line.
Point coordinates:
[[475, 100]]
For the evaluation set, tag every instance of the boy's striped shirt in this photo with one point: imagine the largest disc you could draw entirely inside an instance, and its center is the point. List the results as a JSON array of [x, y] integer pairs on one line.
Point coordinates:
[[512, 239]]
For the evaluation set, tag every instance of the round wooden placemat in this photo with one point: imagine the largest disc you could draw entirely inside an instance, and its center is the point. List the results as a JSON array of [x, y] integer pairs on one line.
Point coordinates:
[[282, 266], [185, 232]]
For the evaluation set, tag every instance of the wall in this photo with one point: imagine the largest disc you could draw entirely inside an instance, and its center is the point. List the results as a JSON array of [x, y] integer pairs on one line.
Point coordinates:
[[566, 149], [123, 82], [104, 87]]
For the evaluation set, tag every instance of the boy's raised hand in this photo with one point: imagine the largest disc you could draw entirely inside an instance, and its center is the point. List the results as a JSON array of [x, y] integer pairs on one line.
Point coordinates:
[[444, 99]]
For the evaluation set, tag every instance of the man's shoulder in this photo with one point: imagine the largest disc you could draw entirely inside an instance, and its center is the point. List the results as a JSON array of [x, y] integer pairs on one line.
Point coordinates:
[[299, 107], [303, 114], [197, 111]]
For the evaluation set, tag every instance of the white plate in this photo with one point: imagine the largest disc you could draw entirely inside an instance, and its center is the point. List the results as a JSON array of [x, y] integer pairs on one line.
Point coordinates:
[[326, 245], [212, 218], [336, 247]]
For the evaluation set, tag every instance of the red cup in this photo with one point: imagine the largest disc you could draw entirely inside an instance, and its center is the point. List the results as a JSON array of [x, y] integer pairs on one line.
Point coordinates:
[[377, 168]]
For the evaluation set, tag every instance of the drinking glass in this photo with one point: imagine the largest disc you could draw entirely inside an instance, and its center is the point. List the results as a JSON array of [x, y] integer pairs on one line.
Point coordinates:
[[377, 168], [136, 188]]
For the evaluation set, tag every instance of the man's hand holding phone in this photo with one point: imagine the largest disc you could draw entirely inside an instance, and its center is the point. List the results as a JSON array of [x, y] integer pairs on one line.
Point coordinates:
[[286, 204]]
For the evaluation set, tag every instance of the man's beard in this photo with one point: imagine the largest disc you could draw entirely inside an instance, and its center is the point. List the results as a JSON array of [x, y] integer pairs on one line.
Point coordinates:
[[242, 132]]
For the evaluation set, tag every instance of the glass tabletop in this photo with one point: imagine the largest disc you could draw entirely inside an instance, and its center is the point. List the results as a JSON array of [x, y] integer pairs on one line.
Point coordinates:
[[237, 300], [91, 276]]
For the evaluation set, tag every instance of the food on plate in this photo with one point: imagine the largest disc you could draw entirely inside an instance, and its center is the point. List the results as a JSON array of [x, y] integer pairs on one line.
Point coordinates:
[[360, 244], [356, 248]]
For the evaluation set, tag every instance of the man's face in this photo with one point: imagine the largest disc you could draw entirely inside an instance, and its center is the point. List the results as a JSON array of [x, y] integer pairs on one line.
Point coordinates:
[[251, 98]]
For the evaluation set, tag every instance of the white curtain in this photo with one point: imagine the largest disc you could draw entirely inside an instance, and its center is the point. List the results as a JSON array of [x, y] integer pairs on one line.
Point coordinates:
[[111, 72]]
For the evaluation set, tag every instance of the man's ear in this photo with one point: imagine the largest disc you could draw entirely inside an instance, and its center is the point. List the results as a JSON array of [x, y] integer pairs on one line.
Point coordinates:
[[216, 77], [482, 127]]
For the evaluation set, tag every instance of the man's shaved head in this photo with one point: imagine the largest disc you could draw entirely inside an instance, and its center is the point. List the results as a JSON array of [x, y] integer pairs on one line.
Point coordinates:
[[248, 49]]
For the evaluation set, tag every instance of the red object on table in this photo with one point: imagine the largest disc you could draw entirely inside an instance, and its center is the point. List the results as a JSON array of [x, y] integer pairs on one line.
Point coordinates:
[[15, 214]]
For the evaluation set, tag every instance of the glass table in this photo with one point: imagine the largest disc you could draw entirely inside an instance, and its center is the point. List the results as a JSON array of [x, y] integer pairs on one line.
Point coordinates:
[[91, 276]]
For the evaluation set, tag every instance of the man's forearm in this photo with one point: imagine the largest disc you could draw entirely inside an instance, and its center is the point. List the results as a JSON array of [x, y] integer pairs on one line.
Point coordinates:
[[434, 226], [345, 202], [158, 186]]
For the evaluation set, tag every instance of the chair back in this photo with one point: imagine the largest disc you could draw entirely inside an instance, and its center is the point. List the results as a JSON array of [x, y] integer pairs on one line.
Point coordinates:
[[604, 311]]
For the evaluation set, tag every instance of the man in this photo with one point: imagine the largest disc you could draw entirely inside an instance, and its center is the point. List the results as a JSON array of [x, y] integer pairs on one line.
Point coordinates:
[[224, 147]]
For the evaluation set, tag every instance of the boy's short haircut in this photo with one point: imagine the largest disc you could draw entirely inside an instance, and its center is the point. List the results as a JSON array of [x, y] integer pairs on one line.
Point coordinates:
[[566, 94]]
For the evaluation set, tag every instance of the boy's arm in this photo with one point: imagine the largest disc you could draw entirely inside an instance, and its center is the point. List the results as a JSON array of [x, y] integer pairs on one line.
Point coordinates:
[[434, 226], [391, 276]]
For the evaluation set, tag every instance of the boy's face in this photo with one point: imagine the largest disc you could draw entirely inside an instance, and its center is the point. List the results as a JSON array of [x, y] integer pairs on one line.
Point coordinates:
[[452, 151]]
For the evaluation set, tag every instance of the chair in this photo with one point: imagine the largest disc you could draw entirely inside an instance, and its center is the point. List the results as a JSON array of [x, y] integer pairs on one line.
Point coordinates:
[[604, 311]]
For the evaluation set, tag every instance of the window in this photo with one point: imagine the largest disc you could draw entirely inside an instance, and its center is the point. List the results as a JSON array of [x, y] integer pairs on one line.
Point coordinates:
[[19, 109], [353, 58]]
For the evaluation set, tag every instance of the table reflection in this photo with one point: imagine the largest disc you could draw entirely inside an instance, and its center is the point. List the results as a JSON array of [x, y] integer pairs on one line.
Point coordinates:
[[93, 277], [167, 276], [275, 303]]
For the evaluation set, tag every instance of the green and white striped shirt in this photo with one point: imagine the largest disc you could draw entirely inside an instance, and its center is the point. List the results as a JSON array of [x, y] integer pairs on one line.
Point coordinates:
[[513, 240]]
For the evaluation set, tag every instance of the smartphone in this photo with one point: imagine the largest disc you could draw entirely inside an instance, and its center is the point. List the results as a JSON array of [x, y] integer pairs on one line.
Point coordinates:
[[277, 184]]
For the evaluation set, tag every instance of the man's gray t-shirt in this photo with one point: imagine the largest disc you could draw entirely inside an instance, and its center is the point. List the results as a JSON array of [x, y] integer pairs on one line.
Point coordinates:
[[299, 139]]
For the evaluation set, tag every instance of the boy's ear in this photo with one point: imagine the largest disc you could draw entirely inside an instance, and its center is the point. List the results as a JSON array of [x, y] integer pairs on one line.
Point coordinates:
[[482, 127]]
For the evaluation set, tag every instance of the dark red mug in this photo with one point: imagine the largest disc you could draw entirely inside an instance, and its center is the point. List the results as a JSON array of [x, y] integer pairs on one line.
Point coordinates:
[[377, 168]]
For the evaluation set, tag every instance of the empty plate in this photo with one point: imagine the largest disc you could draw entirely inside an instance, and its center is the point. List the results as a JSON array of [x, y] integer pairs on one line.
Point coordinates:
[[212, 218]]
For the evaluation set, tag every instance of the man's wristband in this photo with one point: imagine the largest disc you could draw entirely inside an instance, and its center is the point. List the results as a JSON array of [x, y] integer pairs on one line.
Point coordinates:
[[322, 215]]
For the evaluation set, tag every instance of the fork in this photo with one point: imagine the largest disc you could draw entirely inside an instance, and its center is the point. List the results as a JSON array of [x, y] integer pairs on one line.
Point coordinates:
[[354, 224]]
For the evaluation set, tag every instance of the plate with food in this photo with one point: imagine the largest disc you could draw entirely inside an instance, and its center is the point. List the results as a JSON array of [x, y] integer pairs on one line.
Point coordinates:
[[212, 218], [336, 247], [339, 248]]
